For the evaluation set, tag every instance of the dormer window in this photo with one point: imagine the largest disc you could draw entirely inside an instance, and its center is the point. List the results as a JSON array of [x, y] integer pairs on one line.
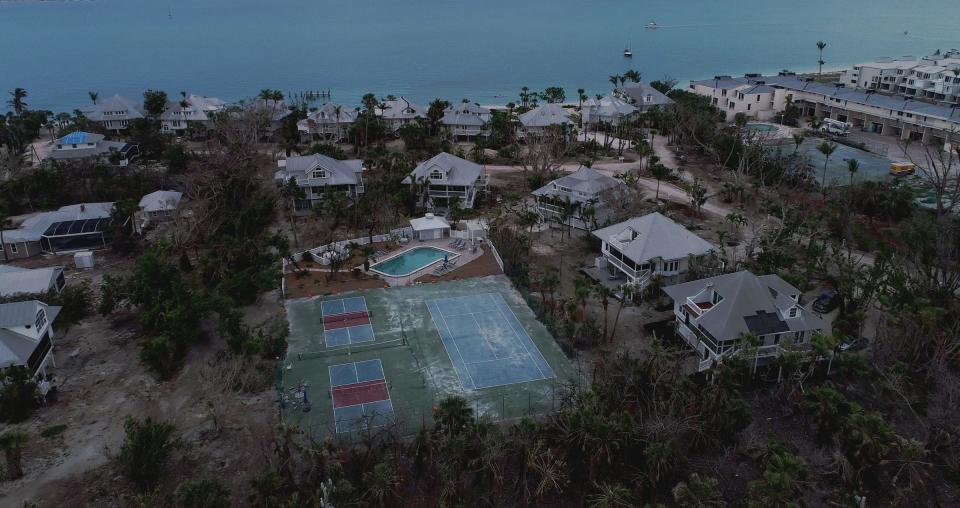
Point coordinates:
[[716, 298], [41, 320], [320, 173], [436, 174], [794, 312]]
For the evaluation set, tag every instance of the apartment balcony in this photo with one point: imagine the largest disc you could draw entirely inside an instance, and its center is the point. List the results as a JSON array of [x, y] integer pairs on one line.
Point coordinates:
[[447, 194]]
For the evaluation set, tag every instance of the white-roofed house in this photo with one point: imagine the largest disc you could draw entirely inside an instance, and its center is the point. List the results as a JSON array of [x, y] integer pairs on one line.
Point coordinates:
[[197, 110], [26, 337], [430, 227], [320, 175], [445, 178], [609, 110], [536, 121], [114, 113], [158, 206], [466, 120], [330, 122], [577, 199], [15, 280], [85, 145], [400, 112], [713, 315], [643, 96], [650, 246], [68, 229]]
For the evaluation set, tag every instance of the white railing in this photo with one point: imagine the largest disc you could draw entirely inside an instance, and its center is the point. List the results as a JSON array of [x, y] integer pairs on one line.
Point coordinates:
[[342, 244], [496, 255], [622, 266]]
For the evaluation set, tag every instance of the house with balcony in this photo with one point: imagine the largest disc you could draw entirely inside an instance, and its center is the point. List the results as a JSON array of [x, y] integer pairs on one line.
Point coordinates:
[[608, 110], [536, 121], [642, 96], [15, 280], [399, 112], [331, 122], [156, 207], [85, 145], [650, 246], [196, 110], [714, 314], [446, 178], [578, 199], [114, 113], [319, 176], [26, 338], [466, 120]]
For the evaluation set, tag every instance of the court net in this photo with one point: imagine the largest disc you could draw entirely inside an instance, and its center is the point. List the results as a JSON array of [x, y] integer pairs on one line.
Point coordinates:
[[352, 349]]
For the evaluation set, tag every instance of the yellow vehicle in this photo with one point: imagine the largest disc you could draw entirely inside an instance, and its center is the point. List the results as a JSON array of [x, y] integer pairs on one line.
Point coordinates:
[[902, 168]]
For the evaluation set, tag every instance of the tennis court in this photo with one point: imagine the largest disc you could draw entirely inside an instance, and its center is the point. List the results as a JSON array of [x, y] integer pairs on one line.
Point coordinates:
[[346, 321], [486, 342], [360, 395]]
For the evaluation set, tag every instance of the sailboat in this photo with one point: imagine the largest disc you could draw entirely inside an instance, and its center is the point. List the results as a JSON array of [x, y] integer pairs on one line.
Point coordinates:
[[652, 25], [627, 52]]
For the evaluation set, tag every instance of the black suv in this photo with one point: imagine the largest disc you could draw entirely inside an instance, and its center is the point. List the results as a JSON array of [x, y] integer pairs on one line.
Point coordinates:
[[826, 302]]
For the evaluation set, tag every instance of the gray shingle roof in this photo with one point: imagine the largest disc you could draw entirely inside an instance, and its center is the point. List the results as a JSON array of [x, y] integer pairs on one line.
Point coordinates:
[[608, 107], [327, 114], [95, 112], [545, 115], [401, 109], [339, 172], [645, 96], [459, 171], [16, 280], [748, 306], [455, 118], [653, 236], [584, 180]]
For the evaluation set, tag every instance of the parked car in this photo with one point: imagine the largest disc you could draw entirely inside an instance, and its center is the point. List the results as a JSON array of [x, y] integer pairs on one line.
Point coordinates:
[[852, 344], [826, 302]]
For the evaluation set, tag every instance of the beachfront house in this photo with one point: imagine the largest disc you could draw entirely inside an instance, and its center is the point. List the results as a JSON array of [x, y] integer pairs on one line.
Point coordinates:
[[271, 111], [15, 280], [158, 206], [466, 120], [114, 113], [331, 122], [714, 314], [193, 110], [753, 97], [536, 121], [319, 176], [643, 96], [445, 179], [577, 199], [71, 228], [650, 246], [399, 112], [26, 338], [430, 227], [85, 145], [609, 110]]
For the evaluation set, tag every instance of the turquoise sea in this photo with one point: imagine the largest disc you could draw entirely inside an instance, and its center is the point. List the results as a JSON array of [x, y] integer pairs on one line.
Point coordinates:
[[481, 50]]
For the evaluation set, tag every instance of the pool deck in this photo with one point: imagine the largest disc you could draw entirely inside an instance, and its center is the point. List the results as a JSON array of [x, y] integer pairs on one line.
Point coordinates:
[[465, 256]]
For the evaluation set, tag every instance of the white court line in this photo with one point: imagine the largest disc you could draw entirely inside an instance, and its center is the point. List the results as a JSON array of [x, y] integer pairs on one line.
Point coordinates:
[[484, 339], [462, 361], [542, 375]]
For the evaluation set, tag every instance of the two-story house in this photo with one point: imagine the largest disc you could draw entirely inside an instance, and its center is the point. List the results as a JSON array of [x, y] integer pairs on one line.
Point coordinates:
[[320, 176], [577, 199], [330, 122], [643, 96], [26, 338], [536, 121], [611, 110], [158, 206], [85, 145], [400, 112], [445, 178], [650, 246], [114, 113], [714, 314], [194, 110], [466, 120]]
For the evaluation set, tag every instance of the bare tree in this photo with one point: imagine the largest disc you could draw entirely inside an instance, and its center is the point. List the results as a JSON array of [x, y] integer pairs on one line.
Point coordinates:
[[939, 170]]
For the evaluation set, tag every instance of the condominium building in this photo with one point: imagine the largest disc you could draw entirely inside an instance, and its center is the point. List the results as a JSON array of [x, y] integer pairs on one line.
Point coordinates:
[[934, 77]]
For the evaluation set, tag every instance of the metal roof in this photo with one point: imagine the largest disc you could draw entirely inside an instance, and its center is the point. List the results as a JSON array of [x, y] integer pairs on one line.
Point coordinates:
[[584, 180], [545, 115], [458, 171], [339, 172], [38, 225], [160, 200], [651, 237], [15, 280]]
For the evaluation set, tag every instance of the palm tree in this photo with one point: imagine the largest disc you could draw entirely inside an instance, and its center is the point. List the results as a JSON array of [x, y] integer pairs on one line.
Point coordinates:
[[698, 492], [798, 140], [581, 290], [16, 102], [610, 496], [643, 149], [382, 484], [852, 166], [820, 46], [12, 445], [660, 172], [614, 79], [452, 415], [626, 294], [632, 75], [93, 97], [826, 148], [603, 293]]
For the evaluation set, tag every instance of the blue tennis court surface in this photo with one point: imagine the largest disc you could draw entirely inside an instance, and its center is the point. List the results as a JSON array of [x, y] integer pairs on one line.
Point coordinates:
[[346, 321], [486, 342], [360, 396], [343, 306]]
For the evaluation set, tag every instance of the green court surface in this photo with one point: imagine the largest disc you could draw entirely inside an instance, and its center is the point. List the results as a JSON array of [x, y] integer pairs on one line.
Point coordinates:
[[416, 366]]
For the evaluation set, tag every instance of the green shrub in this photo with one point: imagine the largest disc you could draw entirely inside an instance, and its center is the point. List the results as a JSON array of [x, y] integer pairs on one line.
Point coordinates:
[[18, 394], [76, 300], [161, 355], [146, 448], [53, 431], [203, 494]]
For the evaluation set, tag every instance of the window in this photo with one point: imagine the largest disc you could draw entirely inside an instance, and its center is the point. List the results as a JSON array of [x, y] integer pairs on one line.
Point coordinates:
[[13, 248], [436, 174], [793, 312], [41, 320], [320, 173], [748, 106], [776, 338], [671, 266], [716, 298]]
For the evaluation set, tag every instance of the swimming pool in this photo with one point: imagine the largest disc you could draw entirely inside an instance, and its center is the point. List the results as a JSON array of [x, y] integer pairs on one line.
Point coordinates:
[[411, 261]]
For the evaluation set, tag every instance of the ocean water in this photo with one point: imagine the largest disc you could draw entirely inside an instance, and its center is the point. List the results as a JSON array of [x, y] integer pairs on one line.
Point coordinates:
[[481, 50]]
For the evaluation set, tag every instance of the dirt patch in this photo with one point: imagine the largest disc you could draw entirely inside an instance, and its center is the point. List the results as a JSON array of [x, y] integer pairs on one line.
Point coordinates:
[[305, 284], [482, 266]]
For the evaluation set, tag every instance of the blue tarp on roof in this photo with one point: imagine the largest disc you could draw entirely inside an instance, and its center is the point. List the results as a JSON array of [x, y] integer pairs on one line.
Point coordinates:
[[75, 138]]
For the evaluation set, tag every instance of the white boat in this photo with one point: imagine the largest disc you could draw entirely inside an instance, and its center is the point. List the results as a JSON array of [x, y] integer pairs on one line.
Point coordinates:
[[627, 52], [652, 24]]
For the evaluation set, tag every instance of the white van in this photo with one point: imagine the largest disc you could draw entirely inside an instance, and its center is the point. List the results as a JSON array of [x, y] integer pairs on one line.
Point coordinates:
[[835, 127]]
